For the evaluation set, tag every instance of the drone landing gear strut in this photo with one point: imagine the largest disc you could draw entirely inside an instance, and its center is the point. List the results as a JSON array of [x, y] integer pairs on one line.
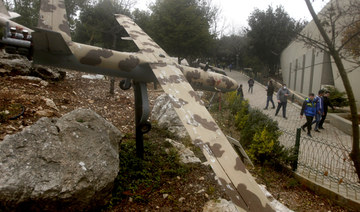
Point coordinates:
[[141, 116]]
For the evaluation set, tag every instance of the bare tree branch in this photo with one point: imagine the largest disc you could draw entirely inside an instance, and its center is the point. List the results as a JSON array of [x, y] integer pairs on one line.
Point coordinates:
[[312, 42]]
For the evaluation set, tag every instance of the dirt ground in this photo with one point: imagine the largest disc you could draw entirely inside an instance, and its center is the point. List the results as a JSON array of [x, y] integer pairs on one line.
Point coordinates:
[[74, 92], [77, 92]]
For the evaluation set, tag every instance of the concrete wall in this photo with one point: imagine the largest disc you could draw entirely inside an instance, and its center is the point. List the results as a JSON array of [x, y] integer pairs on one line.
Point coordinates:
[[307, 69]]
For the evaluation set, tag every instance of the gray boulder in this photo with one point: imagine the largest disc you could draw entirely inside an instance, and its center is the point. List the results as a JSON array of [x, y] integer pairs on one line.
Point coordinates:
[[47, 73], [185, 153], [164, 113], [65, 164], [15, 64]]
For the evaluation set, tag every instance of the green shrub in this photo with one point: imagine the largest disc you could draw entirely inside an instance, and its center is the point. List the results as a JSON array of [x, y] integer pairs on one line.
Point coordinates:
[[262, 145], [266, 148], [259, 135], [337, 98], [233, 102], [255, 121], [242, 115], [139, 178]]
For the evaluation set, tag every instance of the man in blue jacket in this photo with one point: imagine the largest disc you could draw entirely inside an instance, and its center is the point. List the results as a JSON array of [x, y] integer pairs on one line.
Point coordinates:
[[319, 109], [309, 108]]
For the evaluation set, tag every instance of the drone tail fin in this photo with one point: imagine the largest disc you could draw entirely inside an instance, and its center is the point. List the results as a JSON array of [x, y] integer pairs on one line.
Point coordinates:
[[53, 17], [3, 9]]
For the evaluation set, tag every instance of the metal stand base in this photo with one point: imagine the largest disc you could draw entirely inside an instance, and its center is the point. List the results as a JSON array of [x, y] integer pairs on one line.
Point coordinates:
[[142, 110]]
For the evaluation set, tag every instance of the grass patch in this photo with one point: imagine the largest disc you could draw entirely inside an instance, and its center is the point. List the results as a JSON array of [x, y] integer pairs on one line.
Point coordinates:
[[139, 178]]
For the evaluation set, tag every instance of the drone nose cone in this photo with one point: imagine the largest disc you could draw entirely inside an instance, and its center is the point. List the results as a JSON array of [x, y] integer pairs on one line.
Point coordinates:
[[227, 84]]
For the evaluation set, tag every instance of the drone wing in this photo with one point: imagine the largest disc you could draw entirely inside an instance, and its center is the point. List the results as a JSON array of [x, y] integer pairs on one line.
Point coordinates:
[[144, 42], [205, 133]]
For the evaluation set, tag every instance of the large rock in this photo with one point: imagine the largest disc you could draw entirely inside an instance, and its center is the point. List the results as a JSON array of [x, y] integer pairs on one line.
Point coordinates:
[[65, 164], [15, 64], [48, 73], [185, 153], [219, 205], [164, 113]]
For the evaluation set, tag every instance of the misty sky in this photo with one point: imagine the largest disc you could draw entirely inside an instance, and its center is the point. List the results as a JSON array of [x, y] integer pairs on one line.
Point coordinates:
[[236, 12]]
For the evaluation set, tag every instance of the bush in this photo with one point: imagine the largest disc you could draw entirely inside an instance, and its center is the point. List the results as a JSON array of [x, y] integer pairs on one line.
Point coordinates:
[[232, 102], [337, 98], [255, 121], [242, 115], [262, 145], [260, 136], [266, 148]]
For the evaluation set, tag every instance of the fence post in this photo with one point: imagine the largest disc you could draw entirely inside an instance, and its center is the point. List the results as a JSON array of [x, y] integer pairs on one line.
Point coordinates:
[[297, 147]]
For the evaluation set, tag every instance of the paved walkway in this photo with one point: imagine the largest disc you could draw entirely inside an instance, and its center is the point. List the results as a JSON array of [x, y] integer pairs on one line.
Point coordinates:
[[324, 148], [258, 100]]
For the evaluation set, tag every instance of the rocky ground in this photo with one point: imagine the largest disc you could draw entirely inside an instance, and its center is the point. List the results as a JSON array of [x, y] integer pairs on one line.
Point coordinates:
[[58, 98], [53, 99]]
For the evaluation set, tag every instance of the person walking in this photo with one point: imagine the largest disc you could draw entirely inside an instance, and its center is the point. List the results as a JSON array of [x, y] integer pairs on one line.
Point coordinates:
[[270, 92], [251, 83], [327, 103], [309, 108], [319, 109], [281, 96], [240, 92]]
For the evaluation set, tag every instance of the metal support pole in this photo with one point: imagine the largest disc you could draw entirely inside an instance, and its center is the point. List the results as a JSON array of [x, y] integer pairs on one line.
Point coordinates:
[[297, 147], [219, 101], [211, 100], [142, 126]]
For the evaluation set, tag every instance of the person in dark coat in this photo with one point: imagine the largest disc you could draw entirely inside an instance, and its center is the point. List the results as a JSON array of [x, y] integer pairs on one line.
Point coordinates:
[[282, 96], [240, 92], [270, 92], [309, 108], [319, 109], [327, 103], [251, 83]]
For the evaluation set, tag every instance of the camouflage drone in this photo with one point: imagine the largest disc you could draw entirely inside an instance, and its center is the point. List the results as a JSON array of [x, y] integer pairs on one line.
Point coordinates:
[[53, 46]]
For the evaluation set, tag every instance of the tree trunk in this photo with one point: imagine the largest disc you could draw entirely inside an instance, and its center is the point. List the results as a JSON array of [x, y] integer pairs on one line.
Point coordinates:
[[355, 153]]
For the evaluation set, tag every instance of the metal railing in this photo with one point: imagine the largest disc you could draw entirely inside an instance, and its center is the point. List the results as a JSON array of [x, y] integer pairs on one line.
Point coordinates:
[[325, 163]]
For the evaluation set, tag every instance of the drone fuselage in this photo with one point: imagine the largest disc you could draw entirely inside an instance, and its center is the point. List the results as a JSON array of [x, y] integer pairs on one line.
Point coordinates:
[[136, 66]]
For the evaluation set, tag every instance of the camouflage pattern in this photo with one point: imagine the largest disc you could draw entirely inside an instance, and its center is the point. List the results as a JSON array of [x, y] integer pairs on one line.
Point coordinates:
[[6, 16], [3, 9], [203, 130], [174, 79], [58, 22]]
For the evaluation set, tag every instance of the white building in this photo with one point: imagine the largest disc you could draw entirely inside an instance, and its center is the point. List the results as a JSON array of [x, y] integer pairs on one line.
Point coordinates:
[[307, 70]]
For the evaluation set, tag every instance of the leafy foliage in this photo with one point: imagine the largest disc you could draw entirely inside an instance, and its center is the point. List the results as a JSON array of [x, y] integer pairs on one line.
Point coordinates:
[[262, 145], [97, 26], [29, 10], [181, 27], [270, 32], [351, 39], [231, 48], [234, 102], [259, 134], [337, 98]]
